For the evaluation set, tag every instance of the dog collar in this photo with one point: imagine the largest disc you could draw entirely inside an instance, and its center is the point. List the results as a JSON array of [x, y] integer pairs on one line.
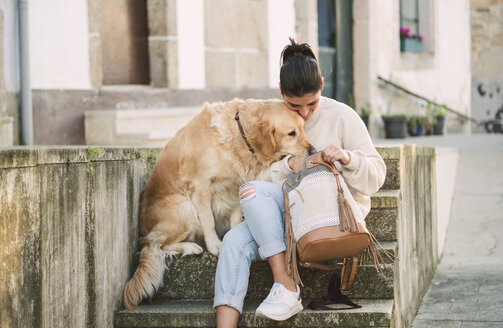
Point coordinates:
[[236, 117]]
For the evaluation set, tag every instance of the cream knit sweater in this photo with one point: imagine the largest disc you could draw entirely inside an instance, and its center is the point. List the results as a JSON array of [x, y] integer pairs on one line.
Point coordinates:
[[338, 124]]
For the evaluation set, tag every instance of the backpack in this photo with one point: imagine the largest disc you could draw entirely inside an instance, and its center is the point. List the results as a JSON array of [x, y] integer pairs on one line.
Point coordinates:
[[324, 223]]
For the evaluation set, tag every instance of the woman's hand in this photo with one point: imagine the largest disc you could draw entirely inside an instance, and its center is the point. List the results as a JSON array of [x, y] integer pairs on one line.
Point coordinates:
[[296, 163], [334, 153]]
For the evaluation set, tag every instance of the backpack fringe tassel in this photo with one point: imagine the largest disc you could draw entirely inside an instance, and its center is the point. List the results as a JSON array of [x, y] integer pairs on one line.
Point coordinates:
[[373, 254], [347, 219], [291, 248]]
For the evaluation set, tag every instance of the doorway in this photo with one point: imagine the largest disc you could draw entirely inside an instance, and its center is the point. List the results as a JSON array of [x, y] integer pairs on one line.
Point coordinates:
[[326, 44], [335, 30], [124, 42]]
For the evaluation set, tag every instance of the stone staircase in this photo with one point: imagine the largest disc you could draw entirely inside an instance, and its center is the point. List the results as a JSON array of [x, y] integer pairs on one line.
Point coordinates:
[[187, 298], [150, 127]]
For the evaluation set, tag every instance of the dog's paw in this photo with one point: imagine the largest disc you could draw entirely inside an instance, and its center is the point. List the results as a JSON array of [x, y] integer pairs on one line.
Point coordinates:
[[214, 246], [192, 249], [170, 255]]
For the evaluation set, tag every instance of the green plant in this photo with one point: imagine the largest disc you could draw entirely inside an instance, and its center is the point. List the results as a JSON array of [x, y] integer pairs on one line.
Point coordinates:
[[351, 100], [434, 110], [365, 111], [391, 116], [91, 151], [414, 122]]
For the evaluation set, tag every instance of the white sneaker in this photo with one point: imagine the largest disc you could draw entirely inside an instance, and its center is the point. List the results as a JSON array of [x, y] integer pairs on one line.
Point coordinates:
[[281, 304]]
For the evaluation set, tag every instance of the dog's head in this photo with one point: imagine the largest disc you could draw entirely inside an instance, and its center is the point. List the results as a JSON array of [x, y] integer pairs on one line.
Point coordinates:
[[277, 131]]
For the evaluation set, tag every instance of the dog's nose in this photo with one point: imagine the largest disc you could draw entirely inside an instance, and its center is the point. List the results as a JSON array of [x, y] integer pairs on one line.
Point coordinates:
[[311, 150]]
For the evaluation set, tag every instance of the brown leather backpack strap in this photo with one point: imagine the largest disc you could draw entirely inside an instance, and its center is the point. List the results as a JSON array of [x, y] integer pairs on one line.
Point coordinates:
[[325, 267], [348, 272]]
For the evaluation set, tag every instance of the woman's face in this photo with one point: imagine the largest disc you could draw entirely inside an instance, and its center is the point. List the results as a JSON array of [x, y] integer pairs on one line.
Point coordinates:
[[305, 105]]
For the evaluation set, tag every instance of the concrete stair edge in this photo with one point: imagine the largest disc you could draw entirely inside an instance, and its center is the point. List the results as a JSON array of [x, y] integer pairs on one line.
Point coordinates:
[[200, 313]]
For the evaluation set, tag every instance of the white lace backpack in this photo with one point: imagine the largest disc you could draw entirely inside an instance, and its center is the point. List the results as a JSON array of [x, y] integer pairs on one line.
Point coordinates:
[[324, 223]]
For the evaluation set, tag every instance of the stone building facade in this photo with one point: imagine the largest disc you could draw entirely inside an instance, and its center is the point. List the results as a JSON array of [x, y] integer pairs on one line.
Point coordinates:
[[487, 62], [116, 54]]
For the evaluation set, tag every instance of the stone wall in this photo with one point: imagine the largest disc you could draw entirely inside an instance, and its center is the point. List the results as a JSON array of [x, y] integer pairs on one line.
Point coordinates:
[[417, 231], [487, 60], [68, 229]]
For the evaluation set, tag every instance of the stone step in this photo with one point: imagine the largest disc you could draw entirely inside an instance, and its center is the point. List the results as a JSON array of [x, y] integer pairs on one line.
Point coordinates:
[[391, 156], [192, 277], [199, 313], [152, 127], [383, 216]]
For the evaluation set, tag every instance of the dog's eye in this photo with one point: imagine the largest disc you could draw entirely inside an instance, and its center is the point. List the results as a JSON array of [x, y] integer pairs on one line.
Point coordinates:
[[292, 133]]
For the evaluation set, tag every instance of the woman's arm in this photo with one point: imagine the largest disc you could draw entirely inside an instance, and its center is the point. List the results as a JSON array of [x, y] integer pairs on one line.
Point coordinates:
[[365, 171], [277, 172]]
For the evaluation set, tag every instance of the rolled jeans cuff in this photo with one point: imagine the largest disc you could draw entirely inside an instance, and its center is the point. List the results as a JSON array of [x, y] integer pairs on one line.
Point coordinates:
[[228, 300], [271, 249]]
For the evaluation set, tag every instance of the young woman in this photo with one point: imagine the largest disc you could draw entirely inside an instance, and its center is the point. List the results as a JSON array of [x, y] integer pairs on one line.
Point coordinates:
[[330, 126]]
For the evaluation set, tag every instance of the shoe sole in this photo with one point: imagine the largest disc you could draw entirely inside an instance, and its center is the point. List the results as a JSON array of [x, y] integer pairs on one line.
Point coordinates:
[[283, 317]]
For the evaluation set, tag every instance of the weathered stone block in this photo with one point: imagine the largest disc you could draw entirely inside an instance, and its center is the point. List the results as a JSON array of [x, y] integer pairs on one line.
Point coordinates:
[[64, 252], [221, 24], [252, 69], [6, 131], [162, 17], [221, 69], [251, 32], [163, 56], [20, 260]]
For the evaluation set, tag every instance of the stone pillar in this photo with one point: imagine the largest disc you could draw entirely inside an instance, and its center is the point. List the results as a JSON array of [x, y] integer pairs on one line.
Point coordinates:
[[9, 132], [95, 61], [306, 22], [3, 96], [6, 131], [163, 43], [236, 44]]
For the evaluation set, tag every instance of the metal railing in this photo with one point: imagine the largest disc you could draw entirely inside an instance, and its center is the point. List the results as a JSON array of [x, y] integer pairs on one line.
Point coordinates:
[[397, 87]]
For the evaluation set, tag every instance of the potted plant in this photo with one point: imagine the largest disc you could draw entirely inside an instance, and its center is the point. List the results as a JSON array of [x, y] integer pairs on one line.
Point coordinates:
[[418, 125], [365, 112], [395, 125], [410, 42], [438, 118]]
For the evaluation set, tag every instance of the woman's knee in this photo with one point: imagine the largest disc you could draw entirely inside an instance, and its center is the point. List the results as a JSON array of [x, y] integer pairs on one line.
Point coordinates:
[[236, 238], [246, 191], [250, 189]]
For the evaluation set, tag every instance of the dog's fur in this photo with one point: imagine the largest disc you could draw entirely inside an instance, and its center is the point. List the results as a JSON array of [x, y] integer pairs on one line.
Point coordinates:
[[191, 195]]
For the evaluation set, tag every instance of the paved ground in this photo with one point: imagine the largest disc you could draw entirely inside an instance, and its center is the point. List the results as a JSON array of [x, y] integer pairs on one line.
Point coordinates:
[[467, 290]]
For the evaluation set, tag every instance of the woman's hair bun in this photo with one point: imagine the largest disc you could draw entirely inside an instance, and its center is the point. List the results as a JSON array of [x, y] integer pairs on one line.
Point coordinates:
[[299, 73], [295, 49]]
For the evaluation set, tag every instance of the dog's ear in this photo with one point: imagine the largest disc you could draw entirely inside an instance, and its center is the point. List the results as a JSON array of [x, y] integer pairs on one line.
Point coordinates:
[[262, 140]]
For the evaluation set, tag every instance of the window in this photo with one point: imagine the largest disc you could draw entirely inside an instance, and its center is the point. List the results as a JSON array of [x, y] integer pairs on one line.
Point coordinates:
[[415, 35]]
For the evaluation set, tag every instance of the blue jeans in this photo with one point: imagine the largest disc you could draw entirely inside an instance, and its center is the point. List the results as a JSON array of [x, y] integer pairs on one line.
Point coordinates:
[[260, 236]]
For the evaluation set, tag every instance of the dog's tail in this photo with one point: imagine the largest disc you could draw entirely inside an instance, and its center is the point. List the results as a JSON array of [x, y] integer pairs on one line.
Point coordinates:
[[148, 277]]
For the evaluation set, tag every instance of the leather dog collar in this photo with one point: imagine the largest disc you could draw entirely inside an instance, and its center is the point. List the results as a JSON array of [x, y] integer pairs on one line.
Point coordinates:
[[236, 117]]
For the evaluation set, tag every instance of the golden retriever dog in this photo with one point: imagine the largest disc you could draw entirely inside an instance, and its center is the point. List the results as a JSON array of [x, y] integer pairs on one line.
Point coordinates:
[[191, 195]]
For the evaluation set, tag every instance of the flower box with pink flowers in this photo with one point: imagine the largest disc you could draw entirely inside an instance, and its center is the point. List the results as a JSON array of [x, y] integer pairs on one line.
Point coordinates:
[[410, 42]]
